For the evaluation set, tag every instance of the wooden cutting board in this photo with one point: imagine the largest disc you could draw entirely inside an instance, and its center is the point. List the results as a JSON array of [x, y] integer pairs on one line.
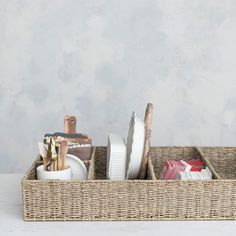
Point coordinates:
[[147, 142]]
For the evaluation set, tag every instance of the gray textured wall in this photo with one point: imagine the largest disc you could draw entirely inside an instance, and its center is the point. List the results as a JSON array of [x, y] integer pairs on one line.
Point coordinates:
[[102, 59]]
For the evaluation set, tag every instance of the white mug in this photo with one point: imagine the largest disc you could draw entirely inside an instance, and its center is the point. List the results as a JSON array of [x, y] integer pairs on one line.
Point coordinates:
[[60, 174]]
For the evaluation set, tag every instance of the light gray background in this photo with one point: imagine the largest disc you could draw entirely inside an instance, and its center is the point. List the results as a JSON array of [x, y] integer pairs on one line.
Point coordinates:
[[100, 60]]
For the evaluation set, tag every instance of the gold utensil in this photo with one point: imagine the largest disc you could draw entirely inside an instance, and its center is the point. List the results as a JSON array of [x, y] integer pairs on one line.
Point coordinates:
[[43, 153]]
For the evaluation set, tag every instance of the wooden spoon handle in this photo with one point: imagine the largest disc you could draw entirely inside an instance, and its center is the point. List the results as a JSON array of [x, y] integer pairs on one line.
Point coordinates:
[[64, 149], [54, 165], [58, 163], [62, 161]]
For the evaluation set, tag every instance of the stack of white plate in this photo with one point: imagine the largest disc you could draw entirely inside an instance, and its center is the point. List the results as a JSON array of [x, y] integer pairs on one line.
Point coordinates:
[[116, 157], [123, 162], [135, 146]]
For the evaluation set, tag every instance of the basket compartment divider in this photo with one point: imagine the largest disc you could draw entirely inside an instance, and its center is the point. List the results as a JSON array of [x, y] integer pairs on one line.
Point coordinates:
[[223, 160], [208, 163], [150, 170]]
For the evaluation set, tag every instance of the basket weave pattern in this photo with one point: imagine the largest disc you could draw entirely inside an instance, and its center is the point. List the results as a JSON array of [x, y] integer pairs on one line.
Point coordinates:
[[151, 199]]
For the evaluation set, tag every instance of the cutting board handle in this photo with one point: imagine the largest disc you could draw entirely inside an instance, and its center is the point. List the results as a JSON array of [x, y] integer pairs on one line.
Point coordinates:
[[70, 124]]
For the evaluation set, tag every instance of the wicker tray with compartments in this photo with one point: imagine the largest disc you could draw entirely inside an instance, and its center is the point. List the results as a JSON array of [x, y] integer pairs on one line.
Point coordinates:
[[150, 199]]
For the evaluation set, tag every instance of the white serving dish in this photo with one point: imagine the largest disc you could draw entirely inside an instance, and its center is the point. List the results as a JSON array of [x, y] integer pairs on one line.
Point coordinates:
[[116, 157], [135, 146]]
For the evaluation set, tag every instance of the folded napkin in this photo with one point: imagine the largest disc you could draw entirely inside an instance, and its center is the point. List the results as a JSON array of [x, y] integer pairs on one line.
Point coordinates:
[[190, 169]]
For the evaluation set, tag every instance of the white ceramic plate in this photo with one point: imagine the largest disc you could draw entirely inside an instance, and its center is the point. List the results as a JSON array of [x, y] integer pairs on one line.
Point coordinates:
[[135, 147], [78, 168]]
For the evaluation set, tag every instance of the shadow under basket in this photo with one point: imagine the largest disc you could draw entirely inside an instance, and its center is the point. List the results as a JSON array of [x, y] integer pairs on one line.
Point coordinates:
[[151, 199]]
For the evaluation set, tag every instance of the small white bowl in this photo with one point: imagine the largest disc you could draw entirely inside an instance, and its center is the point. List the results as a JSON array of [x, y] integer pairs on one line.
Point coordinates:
[[60, 174]]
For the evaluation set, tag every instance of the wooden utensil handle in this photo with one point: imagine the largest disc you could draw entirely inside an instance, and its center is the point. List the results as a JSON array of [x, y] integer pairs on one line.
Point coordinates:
[[54, 165], [63, 162], [58, 163]]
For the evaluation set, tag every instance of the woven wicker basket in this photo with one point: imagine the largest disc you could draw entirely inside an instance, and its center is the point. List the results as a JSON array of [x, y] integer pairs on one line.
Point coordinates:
[[151, 199]]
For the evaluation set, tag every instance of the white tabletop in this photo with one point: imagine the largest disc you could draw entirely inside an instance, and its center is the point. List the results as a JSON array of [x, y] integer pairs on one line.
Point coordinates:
[[11, 221]]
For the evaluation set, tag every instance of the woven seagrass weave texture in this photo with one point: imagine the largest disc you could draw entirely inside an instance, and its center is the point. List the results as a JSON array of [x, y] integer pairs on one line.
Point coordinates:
[[150, 199]]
